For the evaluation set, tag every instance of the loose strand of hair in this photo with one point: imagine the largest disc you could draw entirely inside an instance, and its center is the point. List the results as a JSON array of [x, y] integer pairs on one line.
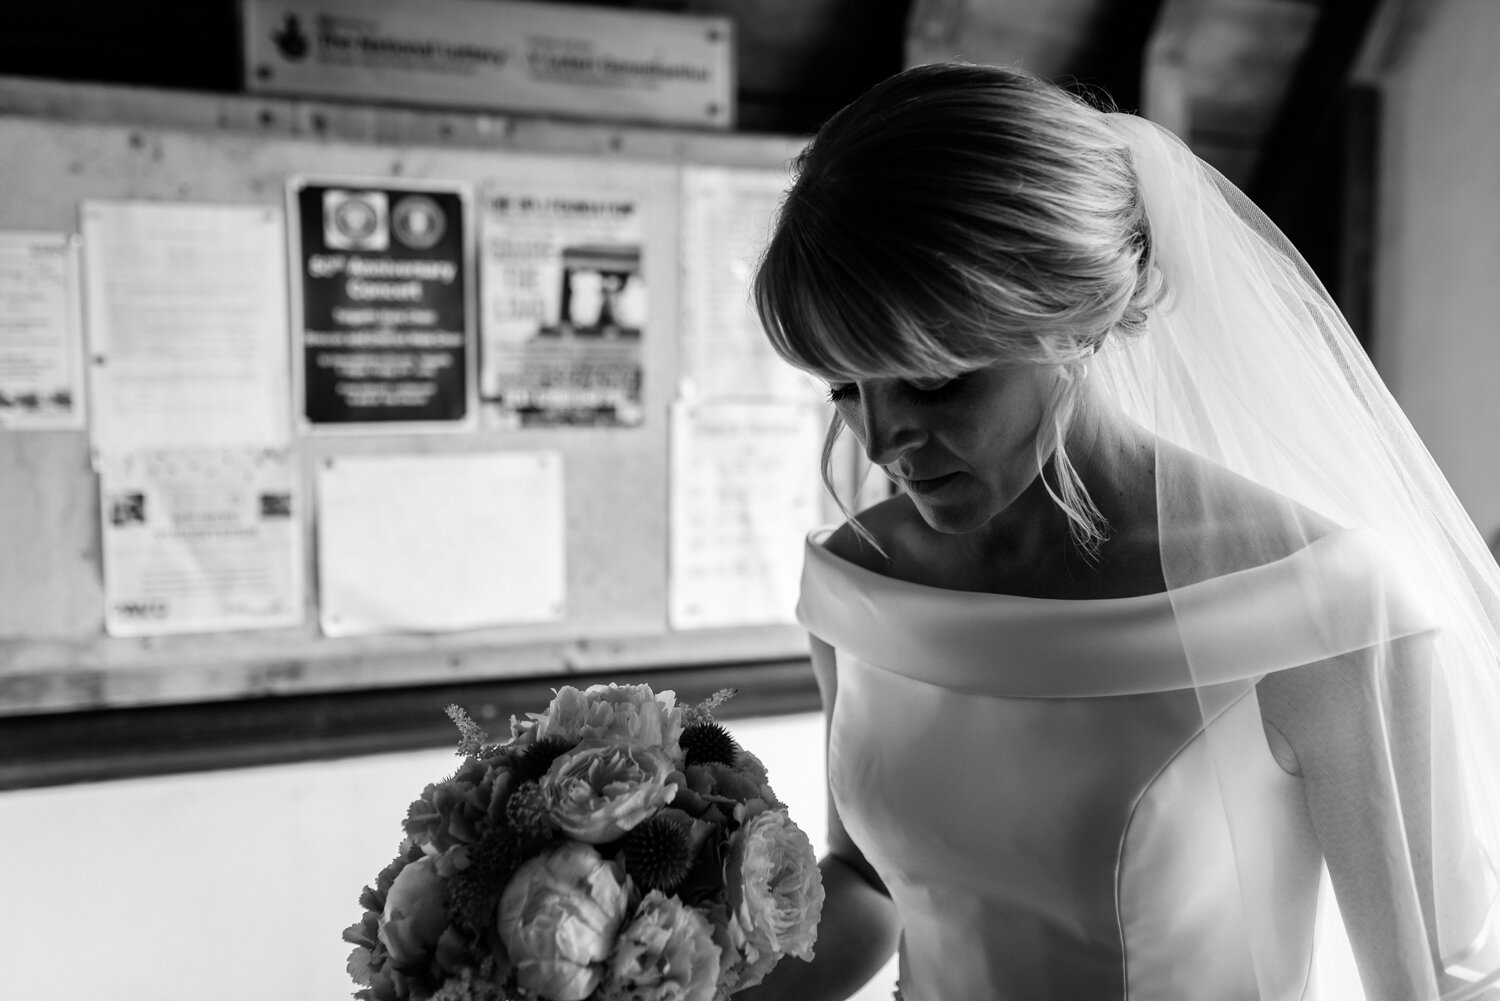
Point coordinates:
[[1087, 526], [830, 442]]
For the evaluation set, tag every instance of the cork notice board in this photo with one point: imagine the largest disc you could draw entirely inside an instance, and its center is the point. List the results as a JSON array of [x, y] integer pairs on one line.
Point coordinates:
[[63, 144]]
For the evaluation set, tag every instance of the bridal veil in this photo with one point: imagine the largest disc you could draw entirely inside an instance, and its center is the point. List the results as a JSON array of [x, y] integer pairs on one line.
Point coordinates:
[[1392, 673]]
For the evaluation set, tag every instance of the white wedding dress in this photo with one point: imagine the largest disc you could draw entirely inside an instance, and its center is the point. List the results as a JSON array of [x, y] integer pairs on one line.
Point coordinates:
[[1035, 782]]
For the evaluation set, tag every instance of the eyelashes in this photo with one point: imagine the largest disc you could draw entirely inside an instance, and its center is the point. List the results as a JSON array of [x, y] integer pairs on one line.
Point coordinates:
[[922, 391]]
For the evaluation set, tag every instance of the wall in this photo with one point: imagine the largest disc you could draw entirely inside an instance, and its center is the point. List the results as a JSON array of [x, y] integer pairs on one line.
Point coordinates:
[[236, 885], [1437, 282]]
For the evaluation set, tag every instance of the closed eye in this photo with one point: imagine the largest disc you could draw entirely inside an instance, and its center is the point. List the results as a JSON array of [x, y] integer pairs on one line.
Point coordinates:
[[922, 390], [839, 392], [934, 390]]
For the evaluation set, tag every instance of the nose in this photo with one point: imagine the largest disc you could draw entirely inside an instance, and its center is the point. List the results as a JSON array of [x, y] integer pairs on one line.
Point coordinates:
[[887, 428]]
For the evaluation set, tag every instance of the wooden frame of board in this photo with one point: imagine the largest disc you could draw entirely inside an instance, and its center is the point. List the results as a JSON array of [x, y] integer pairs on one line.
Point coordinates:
[[77, 704]]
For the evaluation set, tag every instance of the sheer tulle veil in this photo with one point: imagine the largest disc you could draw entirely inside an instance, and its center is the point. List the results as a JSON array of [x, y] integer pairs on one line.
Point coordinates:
[[1277, 434]]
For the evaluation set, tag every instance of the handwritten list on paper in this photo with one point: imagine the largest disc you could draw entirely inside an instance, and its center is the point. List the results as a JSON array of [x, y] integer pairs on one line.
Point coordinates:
[[745, 493], [727, 218], [187, 321], [430, 543]]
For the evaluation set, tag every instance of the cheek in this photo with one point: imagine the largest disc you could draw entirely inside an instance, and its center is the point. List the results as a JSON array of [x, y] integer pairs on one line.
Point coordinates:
[[1010, 435], [851, 418]]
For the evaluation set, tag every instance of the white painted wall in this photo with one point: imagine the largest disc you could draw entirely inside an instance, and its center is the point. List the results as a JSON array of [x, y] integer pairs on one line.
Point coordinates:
[[1437, 335], [235, 885]]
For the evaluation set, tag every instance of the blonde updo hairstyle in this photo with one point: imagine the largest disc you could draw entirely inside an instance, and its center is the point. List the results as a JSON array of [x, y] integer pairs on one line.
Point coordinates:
[[955, 217]]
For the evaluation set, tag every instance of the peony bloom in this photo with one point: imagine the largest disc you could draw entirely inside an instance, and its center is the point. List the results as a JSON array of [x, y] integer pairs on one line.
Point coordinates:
[[415, 912], [739, 784], [747, 764], [601, 789], [631, 713], [775, 892], [454, 811], [559, 916], [666, 953]]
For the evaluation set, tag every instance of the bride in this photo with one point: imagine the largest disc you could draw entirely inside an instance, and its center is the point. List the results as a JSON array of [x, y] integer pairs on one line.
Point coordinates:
[[1173, 628]]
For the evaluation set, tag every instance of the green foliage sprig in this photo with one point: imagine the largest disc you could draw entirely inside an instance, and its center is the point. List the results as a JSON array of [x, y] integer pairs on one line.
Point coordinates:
[[703, 712]]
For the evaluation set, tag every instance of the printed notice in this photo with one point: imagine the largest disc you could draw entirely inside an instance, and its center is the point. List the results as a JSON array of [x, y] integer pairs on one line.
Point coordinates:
[[41, 332], [429, 543], [199, 540], [745, 493], [565, 307], [187, 325], [384, 333], [727, 218]]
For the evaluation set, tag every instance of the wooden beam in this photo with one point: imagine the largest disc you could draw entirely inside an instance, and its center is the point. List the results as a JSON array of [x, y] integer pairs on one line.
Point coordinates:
[[1301, 171], [1393, 32], [1165, 83], [99, 745]]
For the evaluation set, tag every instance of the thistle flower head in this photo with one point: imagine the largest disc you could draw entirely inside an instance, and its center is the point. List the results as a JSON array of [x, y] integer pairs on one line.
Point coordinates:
[[706, 742], [658, 854], [537, 759], [474, 892]]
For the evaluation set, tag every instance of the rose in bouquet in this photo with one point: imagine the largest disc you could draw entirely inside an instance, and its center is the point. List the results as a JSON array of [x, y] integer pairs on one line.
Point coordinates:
[[617, 847]]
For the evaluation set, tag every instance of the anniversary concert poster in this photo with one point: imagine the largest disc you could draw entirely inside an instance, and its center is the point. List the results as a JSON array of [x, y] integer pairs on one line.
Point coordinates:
[[384, 328]]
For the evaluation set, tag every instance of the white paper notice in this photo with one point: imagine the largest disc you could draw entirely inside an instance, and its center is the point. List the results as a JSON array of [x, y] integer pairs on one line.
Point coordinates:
[[430, 543], [187, 323], [41, 336], [727, 216], [745, 493], [197, 540]]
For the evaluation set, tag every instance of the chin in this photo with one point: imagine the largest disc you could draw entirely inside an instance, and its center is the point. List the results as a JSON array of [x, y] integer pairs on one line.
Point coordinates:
[[951, 519], [961, 514]]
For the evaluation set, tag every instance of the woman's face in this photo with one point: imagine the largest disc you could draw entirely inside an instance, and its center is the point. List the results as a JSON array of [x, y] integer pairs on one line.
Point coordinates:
[[963, 450]]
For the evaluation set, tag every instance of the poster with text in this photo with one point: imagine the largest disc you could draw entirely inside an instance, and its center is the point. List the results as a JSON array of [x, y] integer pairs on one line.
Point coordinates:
[[41, 332], [564, 308], [382, 304], [187, 325], [199, 540]]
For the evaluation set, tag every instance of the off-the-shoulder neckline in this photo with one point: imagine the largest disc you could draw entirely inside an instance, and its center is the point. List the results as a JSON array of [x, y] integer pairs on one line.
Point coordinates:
[[815, 546]]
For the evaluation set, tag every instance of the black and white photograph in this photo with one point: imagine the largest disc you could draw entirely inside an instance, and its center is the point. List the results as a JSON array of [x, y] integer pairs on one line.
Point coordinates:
[[752, 500]]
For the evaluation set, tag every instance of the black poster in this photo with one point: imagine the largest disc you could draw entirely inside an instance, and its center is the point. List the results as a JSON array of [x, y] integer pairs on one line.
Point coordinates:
[[385, 324]]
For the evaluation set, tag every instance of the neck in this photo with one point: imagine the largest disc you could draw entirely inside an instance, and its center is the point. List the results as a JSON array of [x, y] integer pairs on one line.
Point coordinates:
[[1113, 457]]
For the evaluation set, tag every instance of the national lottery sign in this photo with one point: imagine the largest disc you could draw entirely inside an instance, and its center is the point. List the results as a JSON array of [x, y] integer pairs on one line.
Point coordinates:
[[497, 55], [382, 301]]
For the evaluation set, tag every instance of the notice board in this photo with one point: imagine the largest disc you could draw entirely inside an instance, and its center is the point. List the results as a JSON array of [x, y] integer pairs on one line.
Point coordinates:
[[62, 145]]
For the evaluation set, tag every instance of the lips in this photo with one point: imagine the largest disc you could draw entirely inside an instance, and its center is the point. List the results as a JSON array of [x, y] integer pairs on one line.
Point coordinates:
[[927, 484]]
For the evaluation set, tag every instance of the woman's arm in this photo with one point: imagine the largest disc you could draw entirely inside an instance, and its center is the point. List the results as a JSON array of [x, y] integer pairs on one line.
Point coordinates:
[[1367, 734], [858, 930]]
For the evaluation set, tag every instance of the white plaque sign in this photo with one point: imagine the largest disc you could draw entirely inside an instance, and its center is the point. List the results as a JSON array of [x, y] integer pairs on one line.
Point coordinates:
[[584, 62]]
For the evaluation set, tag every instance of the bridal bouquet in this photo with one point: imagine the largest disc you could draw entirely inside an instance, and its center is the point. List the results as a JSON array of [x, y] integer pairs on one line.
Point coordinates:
[[617, 848]]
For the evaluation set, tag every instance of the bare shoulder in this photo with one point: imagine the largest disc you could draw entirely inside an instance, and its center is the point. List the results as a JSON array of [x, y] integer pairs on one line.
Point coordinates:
[[884, 521], [1227, 513]]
